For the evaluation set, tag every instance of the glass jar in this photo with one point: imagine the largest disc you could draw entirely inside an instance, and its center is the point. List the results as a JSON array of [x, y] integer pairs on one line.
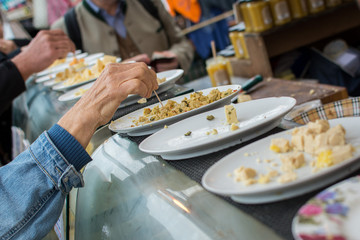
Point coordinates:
[[238, 41], [257, 15], [280, 11], [333, 3], [218, 71], [316, 6], [298, 8]]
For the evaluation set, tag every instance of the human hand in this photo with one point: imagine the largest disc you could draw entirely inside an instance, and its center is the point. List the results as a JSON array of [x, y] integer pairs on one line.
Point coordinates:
[[139, 58], [99, 103], [164, 60], [7, 46], [42, 51]]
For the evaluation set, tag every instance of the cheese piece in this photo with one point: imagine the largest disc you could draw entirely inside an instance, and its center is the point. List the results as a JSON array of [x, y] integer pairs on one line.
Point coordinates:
[[280, 145], [230, 113], [336, 136], [291, 161], [244, 174], [334, 155], [244, 98], [319, 126], [297, 138], [234, 127], [287, 177]]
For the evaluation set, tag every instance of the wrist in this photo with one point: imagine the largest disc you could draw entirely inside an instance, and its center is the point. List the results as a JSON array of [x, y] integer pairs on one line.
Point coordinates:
[[80, 125], [23, 66]]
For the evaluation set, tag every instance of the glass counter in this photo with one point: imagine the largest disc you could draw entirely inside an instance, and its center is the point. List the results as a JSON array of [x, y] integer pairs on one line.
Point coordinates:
[[131, 195]]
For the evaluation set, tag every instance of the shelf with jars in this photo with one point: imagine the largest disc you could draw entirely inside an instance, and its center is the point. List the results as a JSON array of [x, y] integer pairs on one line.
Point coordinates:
[[274, 27]]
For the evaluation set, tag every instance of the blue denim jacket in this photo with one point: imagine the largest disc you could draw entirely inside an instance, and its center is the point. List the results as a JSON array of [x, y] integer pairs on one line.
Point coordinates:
[[34, 185]]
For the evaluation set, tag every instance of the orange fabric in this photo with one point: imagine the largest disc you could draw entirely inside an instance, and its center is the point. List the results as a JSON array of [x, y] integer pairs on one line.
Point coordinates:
[[190, 9]]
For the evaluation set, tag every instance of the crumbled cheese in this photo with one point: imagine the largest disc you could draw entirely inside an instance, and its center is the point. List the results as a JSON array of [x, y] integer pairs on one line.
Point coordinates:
[[214, 132], [234, 127], [263, 179], [280, 145], [287, 177], [243, 174]]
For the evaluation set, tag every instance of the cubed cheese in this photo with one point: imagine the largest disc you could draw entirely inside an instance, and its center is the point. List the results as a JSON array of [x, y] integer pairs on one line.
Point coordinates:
[[280, 145], [230, 113], [244, 98], [291, 161]]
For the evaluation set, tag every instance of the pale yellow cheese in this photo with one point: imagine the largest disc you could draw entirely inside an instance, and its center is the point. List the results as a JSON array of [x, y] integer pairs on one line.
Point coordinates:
[[287, 177], [244, 98], [334, 155], [234, 127], [230, 113], [243, 174], [280, 145], [291, 161]]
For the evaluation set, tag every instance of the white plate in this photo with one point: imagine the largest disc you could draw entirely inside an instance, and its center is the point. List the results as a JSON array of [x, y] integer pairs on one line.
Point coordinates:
[[254, 118], [62, 87], [216, 177], [171, 77], [332, 214], [70, 95], [88, 59], [60, 67], [124, 124]]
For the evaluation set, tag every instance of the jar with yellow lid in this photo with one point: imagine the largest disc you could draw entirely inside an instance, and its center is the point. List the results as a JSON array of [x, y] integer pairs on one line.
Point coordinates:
[[333, 3], [219, 71], [316, 6], [280, 11], [257, 15], [298, 8], [238, 41]]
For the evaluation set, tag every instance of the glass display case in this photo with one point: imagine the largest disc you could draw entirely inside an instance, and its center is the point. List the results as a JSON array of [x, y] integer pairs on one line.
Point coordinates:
[[131, 195]]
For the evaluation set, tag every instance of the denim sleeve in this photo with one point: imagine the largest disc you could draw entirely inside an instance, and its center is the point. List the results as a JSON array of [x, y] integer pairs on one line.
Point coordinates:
[[33, 189]]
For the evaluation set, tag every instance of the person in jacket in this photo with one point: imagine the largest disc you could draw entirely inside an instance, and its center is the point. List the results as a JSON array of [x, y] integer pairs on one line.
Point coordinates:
[[45, 48], [34, 185], [128, 30]]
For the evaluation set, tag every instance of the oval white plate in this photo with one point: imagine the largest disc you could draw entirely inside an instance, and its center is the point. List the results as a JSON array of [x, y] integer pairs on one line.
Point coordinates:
[[70, 95], [334, 213], [62, 87], [171, 143], [124, 124], [59, 68], [88, 59], [171, 77], [216, 177]]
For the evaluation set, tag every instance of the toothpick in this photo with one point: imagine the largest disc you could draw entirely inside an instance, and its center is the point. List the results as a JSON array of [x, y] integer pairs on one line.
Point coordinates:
[[158, 98]]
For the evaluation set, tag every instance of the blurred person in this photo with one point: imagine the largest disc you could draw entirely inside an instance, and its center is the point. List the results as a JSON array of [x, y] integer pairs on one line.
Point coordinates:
[[43, 50], [139, 30], [57, 8], [34, 185]]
